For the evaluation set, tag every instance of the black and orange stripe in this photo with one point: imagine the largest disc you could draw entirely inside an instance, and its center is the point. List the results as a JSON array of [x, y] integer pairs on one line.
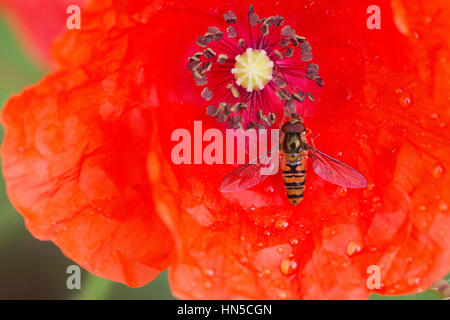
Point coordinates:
[[294, 178]]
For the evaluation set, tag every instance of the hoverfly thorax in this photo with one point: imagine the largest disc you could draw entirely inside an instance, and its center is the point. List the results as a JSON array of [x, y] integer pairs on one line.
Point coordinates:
[[292, 142]]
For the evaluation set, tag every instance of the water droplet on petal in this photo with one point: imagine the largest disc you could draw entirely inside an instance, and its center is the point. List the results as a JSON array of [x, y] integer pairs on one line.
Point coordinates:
[[413, 281], [353, 248], [280, 249], [443, 206], [281, 224], [288, 266], [405, 99], [270, 189], [342, 191], [438, 171], [422, 208], [370, 187], [293, 242], [282, 295], [208, 272]]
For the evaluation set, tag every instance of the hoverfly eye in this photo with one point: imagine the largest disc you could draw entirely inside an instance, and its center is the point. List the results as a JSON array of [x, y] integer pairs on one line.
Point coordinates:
[[296, 127]]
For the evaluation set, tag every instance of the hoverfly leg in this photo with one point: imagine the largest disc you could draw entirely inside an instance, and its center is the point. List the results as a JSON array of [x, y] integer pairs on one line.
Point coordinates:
[[313, 139]]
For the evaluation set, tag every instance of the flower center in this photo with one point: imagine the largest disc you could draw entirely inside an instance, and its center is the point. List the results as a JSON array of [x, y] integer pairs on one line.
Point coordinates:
[[253, 69]]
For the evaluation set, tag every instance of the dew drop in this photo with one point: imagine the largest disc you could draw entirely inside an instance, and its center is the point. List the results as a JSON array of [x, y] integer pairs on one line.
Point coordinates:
[[422, 208], [405, 99], [288, 267], [438, 171], [208, 272], [281, 224], [282, 295], [370, 187], [280, 250], [293, 242], [353, 248], [342, 191], [443, 206], [434, 116], [413, 281], [267, 233], [270, 189], [260, 245]]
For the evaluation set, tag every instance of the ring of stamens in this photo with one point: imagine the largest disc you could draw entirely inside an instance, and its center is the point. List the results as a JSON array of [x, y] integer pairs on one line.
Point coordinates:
[[241, 75]]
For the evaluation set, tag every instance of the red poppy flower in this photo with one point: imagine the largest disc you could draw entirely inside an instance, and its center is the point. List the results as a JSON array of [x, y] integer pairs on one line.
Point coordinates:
[[87, 152]]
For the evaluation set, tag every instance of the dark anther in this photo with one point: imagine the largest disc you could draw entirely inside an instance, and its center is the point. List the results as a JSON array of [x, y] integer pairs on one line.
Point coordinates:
[[264, 29], [207, 94], [192, 65], [212, 111], [230, 17], [231, 32], [312, 72], [289, 52], [233, 89], [255, 125], [216, 33], [199, 78], [284, 42], [205, 67], [234, 122], [209, 53], [289, 107], [309, 95], [279, 82], [203, 41], [299, 96], [252, 16], [222, 58], [287, 31], [306, 51]]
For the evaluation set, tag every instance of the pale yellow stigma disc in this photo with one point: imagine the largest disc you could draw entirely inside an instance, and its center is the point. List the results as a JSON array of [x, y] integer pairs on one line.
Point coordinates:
[[252, 69]]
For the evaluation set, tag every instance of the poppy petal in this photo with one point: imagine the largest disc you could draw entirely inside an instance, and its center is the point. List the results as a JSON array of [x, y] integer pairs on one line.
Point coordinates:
[[74, 160]]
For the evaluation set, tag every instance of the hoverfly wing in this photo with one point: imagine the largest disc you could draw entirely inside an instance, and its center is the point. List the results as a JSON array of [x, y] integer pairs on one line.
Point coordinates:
[[335, 171], [252, 173]]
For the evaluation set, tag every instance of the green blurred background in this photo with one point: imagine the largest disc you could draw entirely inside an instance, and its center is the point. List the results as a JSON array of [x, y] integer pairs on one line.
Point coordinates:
[[33, 269]]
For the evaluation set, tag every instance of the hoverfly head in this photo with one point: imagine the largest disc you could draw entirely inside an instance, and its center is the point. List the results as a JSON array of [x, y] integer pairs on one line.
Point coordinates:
[[294, 125]]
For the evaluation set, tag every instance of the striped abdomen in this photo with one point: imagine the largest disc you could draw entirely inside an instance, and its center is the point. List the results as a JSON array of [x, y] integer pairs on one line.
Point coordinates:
[[294, 178]]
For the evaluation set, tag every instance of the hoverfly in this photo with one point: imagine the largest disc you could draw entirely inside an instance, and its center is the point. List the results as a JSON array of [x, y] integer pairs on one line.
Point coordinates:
[[295, 149]]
